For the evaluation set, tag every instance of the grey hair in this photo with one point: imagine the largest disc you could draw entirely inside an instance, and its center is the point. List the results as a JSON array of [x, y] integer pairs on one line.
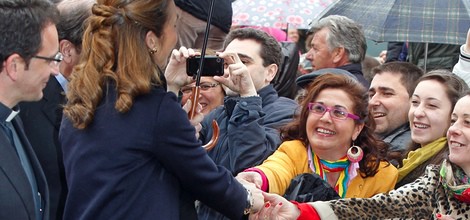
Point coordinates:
[[343, 32]]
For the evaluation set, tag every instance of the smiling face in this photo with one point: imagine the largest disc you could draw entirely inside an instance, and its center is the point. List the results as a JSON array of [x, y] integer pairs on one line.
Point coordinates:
[[249, 52], [33, 79], [389, 102], [458, 134], [429, 112], [329, 137], [211, 94]]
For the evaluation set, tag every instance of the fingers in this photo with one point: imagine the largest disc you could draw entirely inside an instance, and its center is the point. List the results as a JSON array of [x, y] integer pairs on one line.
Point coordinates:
[[252, 177], [187, 106], [198, 117], [183, 53], [268, 197], [274, 198], [230, 57], [444, 217], [266, 211], [276, 209]]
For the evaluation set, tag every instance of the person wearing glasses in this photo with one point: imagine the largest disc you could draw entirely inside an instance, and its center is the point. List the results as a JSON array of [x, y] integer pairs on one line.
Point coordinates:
[[252, 111], [211, 94], [442, 192], [29, 55], [333, 138], [42, 119]]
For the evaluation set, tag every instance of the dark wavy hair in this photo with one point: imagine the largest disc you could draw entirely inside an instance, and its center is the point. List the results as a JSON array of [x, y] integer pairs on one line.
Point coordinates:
[[374, 149], [114, 49], [21, 25]]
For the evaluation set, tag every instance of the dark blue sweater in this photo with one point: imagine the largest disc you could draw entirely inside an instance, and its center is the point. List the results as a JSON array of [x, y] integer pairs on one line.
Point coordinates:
[[139, 164]]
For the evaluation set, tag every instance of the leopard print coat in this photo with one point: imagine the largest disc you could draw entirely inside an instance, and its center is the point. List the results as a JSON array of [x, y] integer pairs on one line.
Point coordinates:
[[421, 199]]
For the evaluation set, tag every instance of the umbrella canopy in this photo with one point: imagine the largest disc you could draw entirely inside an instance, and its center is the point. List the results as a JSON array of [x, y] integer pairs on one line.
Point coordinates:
[[426, 21], [277, 13]]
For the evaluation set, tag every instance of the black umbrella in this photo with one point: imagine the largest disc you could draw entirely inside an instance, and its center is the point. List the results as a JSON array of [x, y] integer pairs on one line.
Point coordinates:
[[196, 89]]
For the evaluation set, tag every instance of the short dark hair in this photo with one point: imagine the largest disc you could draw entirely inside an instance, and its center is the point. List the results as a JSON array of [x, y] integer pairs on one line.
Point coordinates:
[[270, 49], [21, 25], [73, 14], [409, 72]]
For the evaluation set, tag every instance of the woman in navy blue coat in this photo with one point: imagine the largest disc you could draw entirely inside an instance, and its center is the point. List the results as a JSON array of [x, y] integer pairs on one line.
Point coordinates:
[[129, 149]]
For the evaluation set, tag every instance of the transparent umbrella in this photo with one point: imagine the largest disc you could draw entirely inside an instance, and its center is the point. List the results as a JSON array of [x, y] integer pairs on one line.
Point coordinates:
[[278, 13]]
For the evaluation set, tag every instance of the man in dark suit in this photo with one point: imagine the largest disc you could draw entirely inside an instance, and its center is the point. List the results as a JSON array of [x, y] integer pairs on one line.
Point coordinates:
[[42, 119], [29, 54]]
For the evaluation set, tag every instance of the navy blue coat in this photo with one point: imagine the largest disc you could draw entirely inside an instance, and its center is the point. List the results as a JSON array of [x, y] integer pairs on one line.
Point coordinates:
[[139, 164], [249, 132]]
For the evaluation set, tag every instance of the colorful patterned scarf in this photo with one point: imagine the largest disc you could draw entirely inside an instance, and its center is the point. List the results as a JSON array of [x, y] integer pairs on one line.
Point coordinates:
[[455, 180], [343, 165]]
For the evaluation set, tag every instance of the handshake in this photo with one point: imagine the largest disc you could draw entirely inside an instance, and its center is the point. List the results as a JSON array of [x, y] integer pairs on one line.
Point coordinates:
[[265, 205]]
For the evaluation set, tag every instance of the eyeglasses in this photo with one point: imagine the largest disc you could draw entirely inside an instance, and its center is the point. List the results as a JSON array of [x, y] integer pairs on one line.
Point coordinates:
[[203, 87], [337, 113], [53, 61]]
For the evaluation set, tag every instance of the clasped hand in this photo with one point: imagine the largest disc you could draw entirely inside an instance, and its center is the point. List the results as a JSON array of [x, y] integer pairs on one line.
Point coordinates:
[[273, 206]]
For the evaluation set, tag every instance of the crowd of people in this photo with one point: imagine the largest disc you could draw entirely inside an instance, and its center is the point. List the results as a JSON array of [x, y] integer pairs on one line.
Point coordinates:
[[94, 102]]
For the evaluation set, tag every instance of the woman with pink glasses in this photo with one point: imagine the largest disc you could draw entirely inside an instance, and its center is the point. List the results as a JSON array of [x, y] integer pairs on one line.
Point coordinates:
[[331, 137]]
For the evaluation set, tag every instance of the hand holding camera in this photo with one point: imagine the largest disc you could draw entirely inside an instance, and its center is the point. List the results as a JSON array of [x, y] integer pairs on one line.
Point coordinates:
[[175, 73], [237, 79]]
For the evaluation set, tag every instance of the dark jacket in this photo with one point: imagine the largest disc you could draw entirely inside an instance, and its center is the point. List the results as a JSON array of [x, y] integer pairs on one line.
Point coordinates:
[[221, 15], [440, 56], [356, 70], [249, 132], [138, 165], [16, 197], [41, 122], [398, 141]]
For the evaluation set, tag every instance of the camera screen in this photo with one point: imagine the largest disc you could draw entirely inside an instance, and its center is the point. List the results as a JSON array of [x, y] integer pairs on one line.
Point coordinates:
[[213, 66]]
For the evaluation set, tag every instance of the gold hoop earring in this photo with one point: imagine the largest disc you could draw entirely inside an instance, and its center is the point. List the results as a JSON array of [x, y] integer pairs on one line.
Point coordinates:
[[154, 50]]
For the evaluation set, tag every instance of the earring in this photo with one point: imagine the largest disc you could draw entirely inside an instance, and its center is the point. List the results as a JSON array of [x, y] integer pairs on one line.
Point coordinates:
[[355, 153], [154, 50]]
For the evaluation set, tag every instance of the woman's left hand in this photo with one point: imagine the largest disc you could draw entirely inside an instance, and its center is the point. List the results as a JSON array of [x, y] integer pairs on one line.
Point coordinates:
[[175, 73]]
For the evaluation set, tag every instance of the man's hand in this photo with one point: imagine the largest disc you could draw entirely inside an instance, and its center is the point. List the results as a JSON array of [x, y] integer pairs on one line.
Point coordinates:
[[236, 76]]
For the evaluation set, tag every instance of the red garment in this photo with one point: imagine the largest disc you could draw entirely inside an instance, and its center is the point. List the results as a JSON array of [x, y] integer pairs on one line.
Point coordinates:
[[307, 212]]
